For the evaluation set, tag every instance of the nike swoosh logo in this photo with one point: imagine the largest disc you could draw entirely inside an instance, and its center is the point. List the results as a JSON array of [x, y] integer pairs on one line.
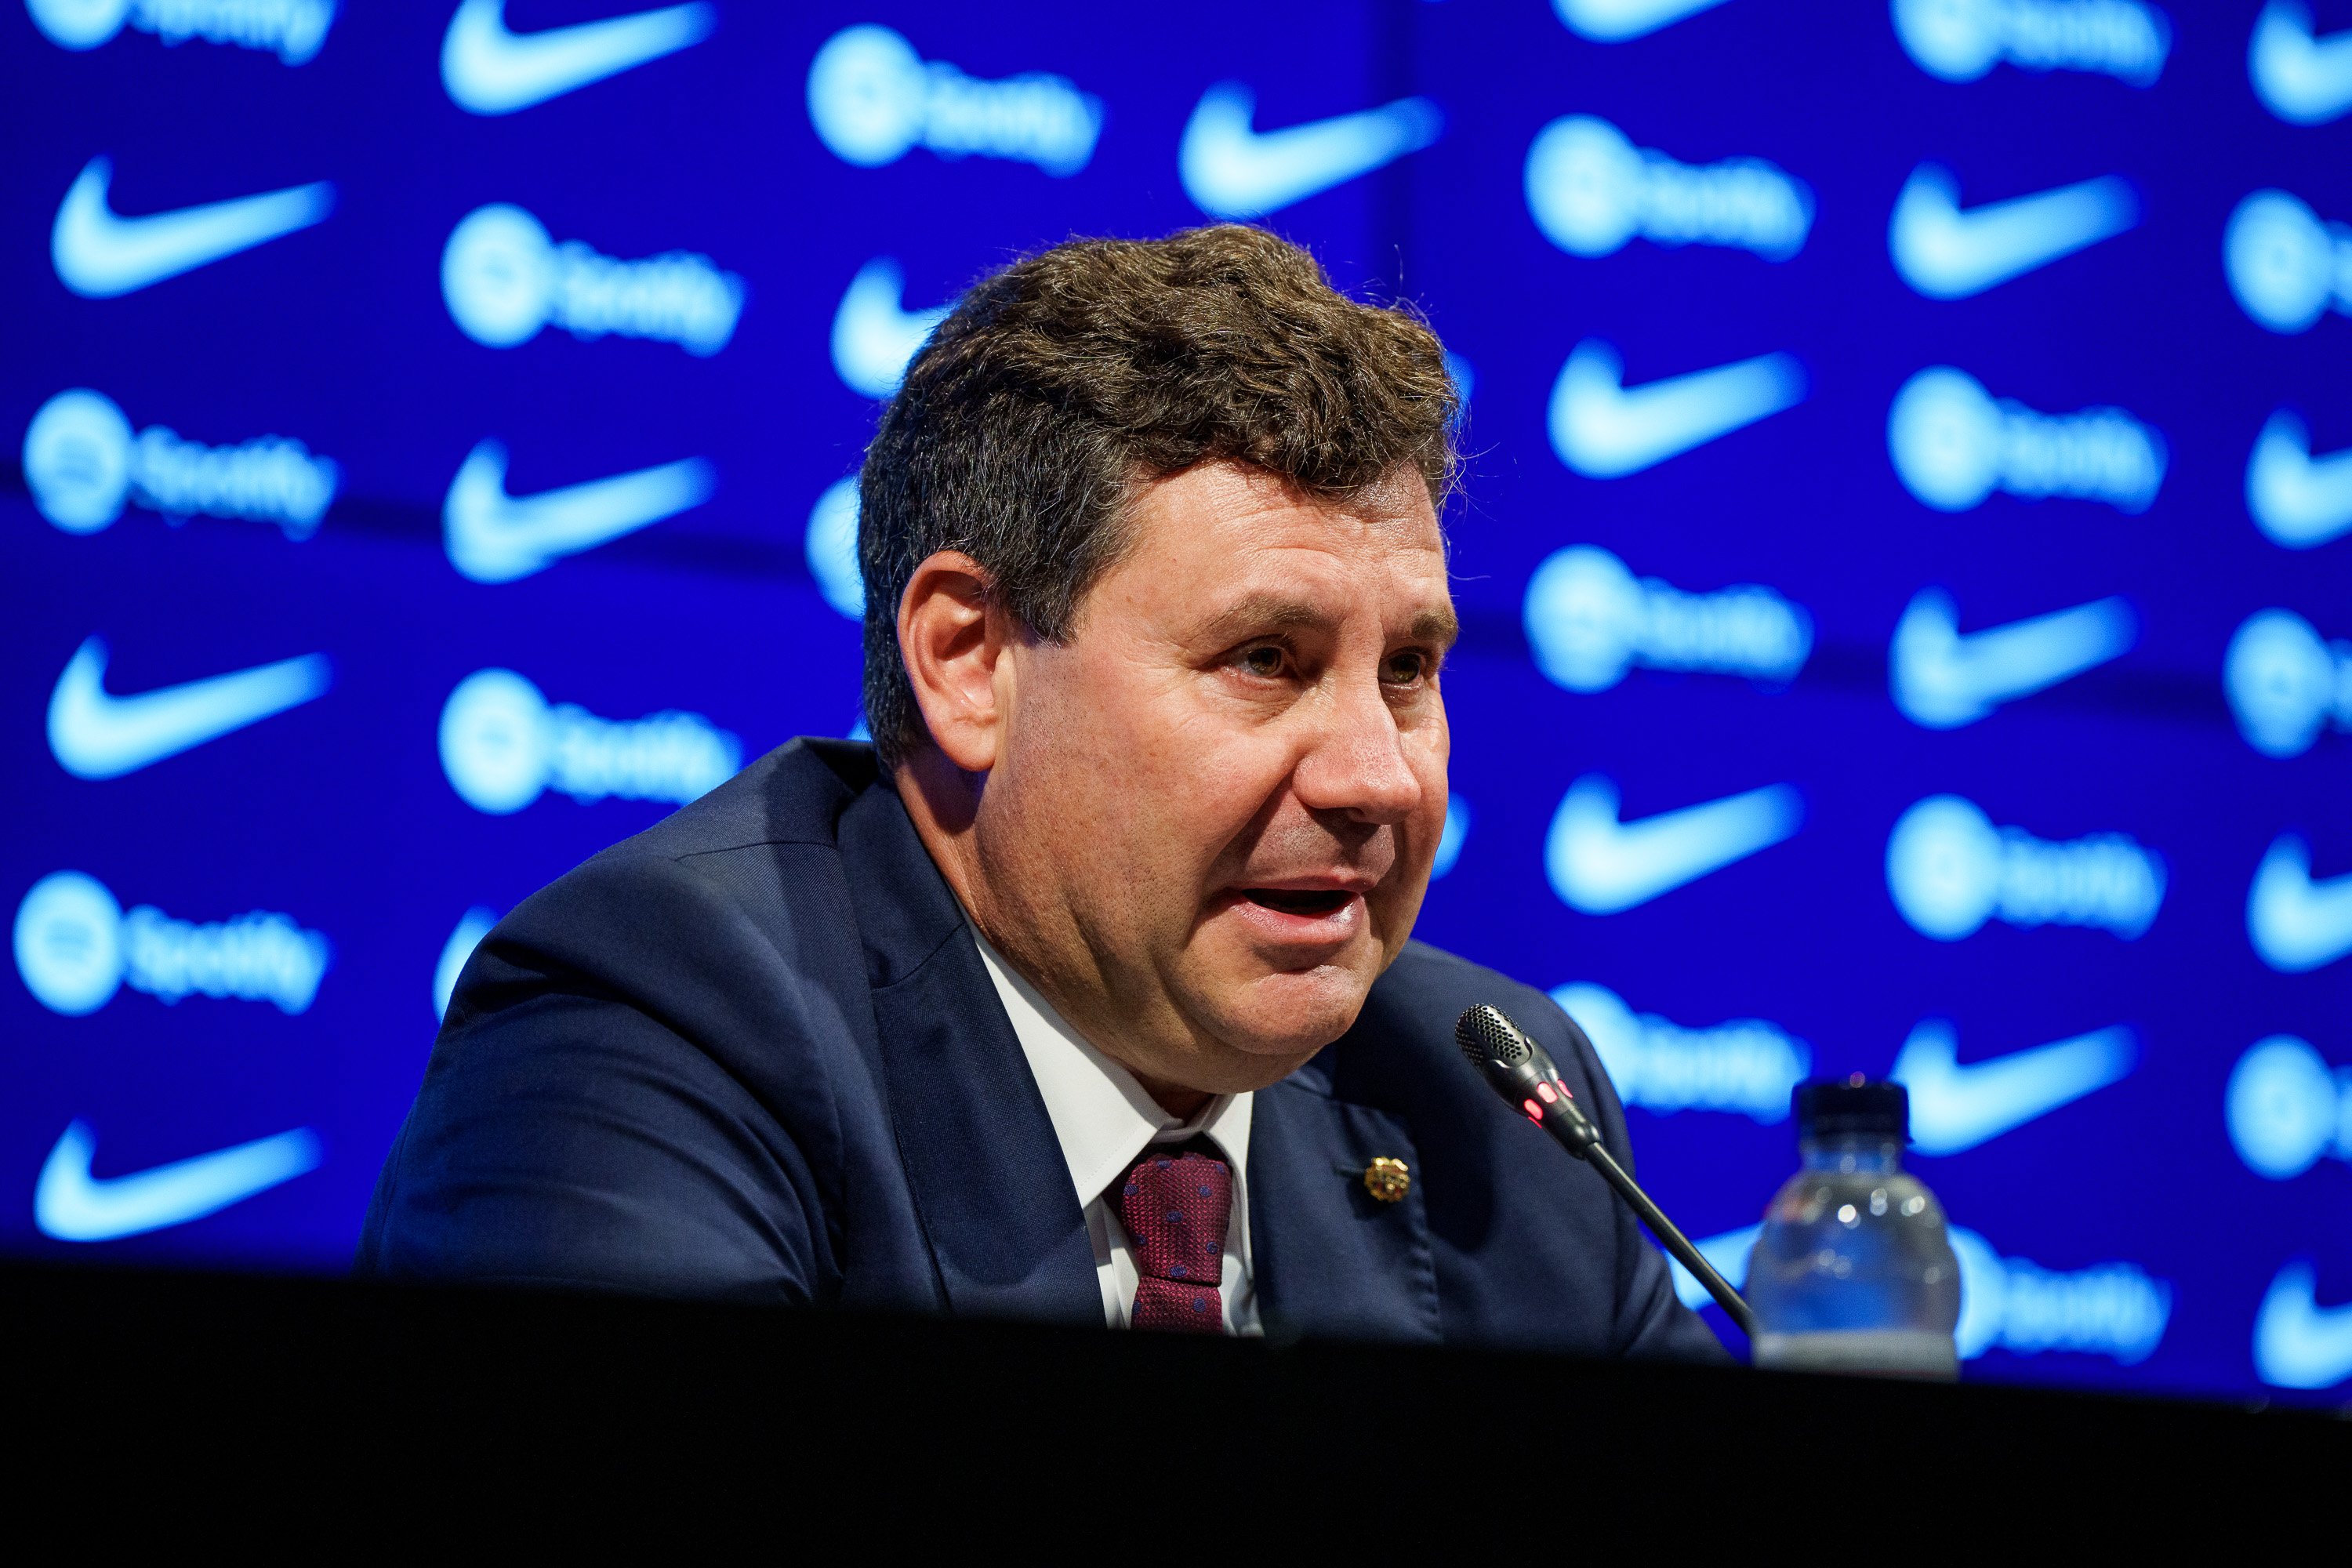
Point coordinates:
[[95, 734], [874, 335], [1948, 254], [71, 1204], [492, 537], [1234, 172], [472, 927], [1605, 430], [2298, 1343], [100, 255], [1614, 21], [2295, 924], [1955, 1108], [2298, 501], [2302, 79], [490, 71], [1943, 678], [1601, 866]]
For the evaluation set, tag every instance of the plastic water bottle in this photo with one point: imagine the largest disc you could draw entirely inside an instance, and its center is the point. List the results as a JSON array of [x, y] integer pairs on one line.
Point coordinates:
[[1852, 1272]]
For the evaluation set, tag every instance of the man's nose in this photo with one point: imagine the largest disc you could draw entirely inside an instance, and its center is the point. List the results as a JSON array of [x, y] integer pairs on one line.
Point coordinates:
[[1355, 763]]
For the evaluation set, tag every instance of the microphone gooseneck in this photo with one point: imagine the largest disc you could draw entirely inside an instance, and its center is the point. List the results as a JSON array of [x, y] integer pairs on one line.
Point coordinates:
[[1522, 1072]]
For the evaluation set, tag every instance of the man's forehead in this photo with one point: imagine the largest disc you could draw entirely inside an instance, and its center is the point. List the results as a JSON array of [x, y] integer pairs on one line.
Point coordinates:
[[1243, 500], [1224, 520], [1221, 547]]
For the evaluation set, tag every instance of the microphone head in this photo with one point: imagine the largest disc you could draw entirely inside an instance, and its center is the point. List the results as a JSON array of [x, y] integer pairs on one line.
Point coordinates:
[[1487, 1038], [1521, 1071]]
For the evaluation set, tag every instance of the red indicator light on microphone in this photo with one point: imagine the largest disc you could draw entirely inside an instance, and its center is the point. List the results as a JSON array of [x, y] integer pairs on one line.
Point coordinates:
[[1544, 1093], [1535, 1112]]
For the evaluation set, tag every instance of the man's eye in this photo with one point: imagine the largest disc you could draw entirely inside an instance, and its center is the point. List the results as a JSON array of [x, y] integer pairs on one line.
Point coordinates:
[[1264, 660], [1405, 668]]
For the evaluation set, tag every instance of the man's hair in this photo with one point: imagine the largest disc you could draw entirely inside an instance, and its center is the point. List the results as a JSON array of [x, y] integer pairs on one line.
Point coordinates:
[[1059, 385]]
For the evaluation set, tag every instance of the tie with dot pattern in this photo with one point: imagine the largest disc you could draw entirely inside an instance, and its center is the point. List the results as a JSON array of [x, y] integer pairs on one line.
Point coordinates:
[[1175, 1204]]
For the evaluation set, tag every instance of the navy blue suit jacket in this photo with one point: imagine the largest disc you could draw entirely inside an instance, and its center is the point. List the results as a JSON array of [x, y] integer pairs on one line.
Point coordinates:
[[753, 1053]]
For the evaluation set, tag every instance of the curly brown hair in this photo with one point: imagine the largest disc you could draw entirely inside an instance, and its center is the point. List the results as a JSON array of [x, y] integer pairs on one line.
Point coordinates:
[[1059, 384]]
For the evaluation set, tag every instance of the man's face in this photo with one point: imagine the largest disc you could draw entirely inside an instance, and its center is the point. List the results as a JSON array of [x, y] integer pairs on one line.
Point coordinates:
[[1214, 805]]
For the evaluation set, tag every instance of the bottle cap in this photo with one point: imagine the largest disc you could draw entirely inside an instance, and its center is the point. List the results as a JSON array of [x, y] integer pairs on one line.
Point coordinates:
[[1853, 1107]]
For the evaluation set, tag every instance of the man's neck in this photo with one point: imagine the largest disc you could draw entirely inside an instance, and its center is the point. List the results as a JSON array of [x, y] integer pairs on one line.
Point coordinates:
[[1175, 1100]]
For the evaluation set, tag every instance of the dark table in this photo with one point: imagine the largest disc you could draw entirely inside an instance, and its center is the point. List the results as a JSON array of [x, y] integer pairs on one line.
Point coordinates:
[[389, 1399]]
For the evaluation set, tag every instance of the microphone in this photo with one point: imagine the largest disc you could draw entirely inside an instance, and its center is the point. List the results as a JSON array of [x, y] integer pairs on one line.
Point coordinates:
[[1521, 1071]]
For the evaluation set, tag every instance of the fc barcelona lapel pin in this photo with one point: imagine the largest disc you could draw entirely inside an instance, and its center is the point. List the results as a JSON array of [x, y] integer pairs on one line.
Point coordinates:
[[1388, 1179]]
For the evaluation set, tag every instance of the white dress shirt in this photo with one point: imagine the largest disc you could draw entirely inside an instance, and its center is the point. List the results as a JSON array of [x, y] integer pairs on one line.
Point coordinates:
[[1103, 1119]]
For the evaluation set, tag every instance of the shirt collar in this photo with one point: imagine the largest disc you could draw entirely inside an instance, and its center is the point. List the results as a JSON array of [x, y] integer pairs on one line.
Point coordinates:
[[1102, 1117]]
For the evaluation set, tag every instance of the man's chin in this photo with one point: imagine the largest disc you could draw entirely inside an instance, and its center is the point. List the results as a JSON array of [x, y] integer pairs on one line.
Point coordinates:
[[1285, 1018]]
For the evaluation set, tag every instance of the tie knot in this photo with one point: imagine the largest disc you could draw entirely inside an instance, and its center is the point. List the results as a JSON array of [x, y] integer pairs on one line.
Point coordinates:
[[1175, 1204]]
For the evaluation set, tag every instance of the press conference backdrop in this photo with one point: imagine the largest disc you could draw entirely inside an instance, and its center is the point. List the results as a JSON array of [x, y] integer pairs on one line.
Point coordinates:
[[1902, 555]]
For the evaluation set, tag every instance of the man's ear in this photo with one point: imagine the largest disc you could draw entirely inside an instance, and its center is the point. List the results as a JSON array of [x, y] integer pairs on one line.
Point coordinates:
[[951, 645]]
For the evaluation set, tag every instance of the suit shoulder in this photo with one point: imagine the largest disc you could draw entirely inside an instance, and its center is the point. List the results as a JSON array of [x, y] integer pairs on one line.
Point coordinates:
[[1405, 1033], [795, 794], [746, 880], [1430, 982], [1423, 995]]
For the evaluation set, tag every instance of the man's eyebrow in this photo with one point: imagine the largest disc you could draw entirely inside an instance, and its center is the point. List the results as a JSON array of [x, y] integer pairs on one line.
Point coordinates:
[[1439, 627], [1258, 613], [1263, 613]]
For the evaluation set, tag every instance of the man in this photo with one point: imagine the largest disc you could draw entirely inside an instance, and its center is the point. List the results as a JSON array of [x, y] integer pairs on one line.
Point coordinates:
[[1086, 992]]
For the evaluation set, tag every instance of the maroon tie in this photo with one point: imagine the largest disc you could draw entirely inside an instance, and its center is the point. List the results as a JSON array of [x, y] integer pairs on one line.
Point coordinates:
[[1175, 1204]]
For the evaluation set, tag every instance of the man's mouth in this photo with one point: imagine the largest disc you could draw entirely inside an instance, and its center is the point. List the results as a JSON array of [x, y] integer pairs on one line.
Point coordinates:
[[1308, 922], [1309, 901]]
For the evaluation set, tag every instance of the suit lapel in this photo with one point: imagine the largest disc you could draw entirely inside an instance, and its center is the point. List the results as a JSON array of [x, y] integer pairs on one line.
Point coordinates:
[[991, 1187], [1328, 1258]]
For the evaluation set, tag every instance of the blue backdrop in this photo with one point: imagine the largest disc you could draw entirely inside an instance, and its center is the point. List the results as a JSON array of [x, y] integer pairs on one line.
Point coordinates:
[[1902, 558]]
